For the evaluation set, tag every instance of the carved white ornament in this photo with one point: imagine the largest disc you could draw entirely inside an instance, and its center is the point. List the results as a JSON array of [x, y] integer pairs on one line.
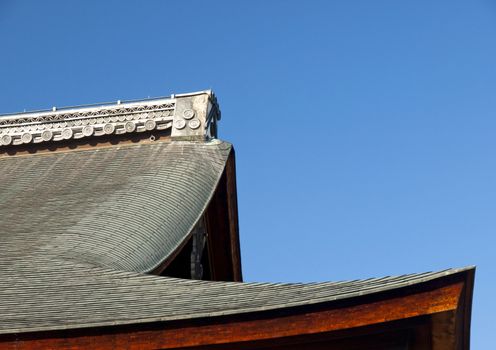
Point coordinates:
[[98, 121]]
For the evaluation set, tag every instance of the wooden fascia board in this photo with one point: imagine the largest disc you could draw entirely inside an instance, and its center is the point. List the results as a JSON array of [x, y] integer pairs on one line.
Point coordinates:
[[232, 203], [327, 317], [222, 227], [464, 312]]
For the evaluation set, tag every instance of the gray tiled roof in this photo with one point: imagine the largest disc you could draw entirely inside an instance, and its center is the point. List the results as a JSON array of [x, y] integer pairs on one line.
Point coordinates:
[[62, 295], [80, 229], [122, 207]]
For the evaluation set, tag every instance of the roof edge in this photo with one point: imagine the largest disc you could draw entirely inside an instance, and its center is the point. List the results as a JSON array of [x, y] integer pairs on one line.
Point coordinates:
[[465, 273]]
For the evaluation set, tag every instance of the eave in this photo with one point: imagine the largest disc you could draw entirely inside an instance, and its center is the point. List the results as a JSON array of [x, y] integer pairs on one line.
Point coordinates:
[[417, 312]]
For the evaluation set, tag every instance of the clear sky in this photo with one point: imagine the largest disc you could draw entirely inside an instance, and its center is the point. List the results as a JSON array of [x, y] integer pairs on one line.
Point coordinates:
[[365, 131]]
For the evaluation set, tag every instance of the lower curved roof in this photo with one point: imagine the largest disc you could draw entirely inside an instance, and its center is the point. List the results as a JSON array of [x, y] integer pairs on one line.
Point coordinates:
[[67, 296], [122, 207]]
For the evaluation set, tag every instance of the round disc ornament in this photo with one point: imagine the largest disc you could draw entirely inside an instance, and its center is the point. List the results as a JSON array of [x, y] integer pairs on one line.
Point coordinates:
[[88, 130], [179, 124], [46, 135], [6, 140], [194, 124], [66, 134], [108, 129], [150, 125], [130, 126], [188, 114], [26, 137]]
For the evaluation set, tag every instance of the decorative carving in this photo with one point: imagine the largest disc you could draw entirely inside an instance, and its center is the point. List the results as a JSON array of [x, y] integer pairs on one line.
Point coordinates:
[[191, 116], [194, 124], [26, 137], [67, 134], [88, 130], [108, 128], [6, 140], [188, 114], [130, 127], [96, 121], [179, 124], [46, 135], [150, 124]]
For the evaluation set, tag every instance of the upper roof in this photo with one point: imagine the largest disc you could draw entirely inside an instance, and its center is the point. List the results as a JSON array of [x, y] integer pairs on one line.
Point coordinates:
[[124, 207]]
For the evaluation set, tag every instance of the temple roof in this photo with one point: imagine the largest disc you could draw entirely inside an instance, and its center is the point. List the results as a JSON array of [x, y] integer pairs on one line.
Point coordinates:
[[83, 227]]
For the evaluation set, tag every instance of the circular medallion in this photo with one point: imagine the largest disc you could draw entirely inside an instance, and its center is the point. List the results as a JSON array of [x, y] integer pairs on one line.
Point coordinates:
[[66, 134], [26, 137], [194, 124], [179, 124], [109, 129], [6, 140], [188, 113], [130, 126], [88, 130], [46, 135], [150, 124]]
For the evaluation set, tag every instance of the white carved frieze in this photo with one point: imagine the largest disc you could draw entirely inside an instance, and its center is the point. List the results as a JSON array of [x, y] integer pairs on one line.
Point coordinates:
[[107, 120]]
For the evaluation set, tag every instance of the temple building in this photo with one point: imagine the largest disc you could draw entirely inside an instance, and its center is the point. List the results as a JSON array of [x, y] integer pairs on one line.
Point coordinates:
[[119, 230]]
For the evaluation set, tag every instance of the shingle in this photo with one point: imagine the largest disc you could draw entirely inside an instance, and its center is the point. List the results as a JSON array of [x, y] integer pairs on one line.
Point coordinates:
[[125, 207], [70, 296]]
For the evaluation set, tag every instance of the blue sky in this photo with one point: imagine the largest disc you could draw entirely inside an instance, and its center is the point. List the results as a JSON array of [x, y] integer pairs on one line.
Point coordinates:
[[365, 131]]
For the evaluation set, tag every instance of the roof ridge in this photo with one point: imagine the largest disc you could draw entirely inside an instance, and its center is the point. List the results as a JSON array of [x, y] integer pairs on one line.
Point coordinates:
[[183, 115]]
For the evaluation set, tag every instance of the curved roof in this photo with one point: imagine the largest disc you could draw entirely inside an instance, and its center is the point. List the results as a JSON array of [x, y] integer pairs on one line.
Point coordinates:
[[80, 229], [63, 295], [123, 207]]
